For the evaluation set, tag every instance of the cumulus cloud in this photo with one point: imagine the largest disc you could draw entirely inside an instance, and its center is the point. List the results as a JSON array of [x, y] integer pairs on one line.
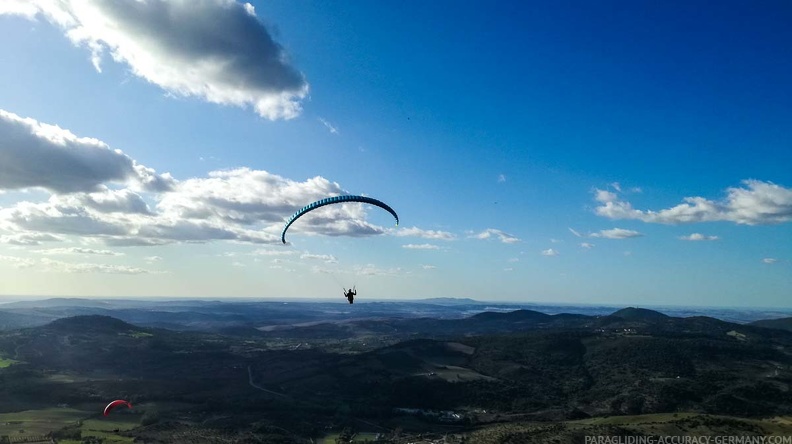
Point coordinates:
[[421, 247], [78, 250], [57, 216], [152, 259], [698, 237], [133, 241], [239, 205], [216, 50], [52, 217], [244, 197], [753, 203], [604, 196], [373, 270], [29, 238], [265, 252], [49, 265], [769, 260], [549, 252], [18, 262], [586, 245], [504, 237], [327, 258], [66, 267], [38, 155], [426, 234], [110, 201], [616, 233]]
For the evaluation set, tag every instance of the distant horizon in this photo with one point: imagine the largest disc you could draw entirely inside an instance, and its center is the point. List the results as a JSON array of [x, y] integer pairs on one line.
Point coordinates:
[[27, 298]]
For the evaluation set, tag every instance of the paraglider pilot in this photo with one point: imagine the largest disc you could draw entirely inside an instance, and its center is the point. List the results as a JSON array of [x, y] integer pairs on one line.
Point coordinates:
[[350, 294]]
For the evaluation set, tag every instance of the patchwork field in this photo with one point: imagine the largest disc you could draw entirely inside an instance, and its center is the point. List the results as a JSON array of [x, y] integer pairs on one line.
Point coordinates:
[[38, 422]]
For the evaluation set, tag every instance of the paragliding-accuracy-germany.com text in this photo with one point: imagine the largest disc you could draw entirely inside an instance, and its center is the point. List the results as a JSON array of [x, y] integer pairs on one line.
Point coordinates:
[[711, 439]]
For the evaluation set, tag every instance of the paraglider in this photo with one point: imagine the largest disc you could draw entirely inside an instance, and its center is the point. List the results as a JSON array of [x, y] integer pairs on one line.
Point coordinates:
[[335, 200], [115, 404], [350, 294]]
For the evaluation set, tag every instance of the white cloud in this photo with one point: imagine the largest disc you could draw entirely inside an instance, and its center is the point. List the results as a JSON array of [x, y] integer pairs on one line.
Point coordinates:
[[604, 196], [769, 260], [616, 186], [216, 50], [265, 252], [514, 259], [49, 265], [754, 203], [373, 270], [504, 237], [501, 178], [78, 250], [245, 197], [152, 259], [65, 267], [240, 205], [426, 234], [421, 247], [238, 264], [24, 8], [698, 237], [18, 262], [329, 126], [508, 269], [38, 155], [227, 206], [587, 245], [133, 241], [51, 217], [29, 238], [110, 201], [428, 267], [327, 258], [616, 233], [549, 252]]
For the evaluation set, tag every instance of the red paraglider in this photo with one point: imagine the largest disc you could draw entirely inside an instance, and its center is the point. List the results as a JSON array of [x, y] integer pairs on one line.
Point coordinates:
[[115, 404]]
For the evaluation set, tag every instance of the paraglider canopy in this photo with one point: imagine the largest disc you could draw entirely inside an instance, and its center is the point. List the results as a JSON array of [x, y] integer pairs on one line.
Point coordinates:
[[335, 200], [115, 404]]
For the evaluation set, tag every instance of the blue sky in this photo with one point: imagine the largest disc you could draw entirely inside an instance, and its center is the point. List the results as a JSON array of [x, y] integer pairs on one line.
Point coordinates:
[[611, 152]]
